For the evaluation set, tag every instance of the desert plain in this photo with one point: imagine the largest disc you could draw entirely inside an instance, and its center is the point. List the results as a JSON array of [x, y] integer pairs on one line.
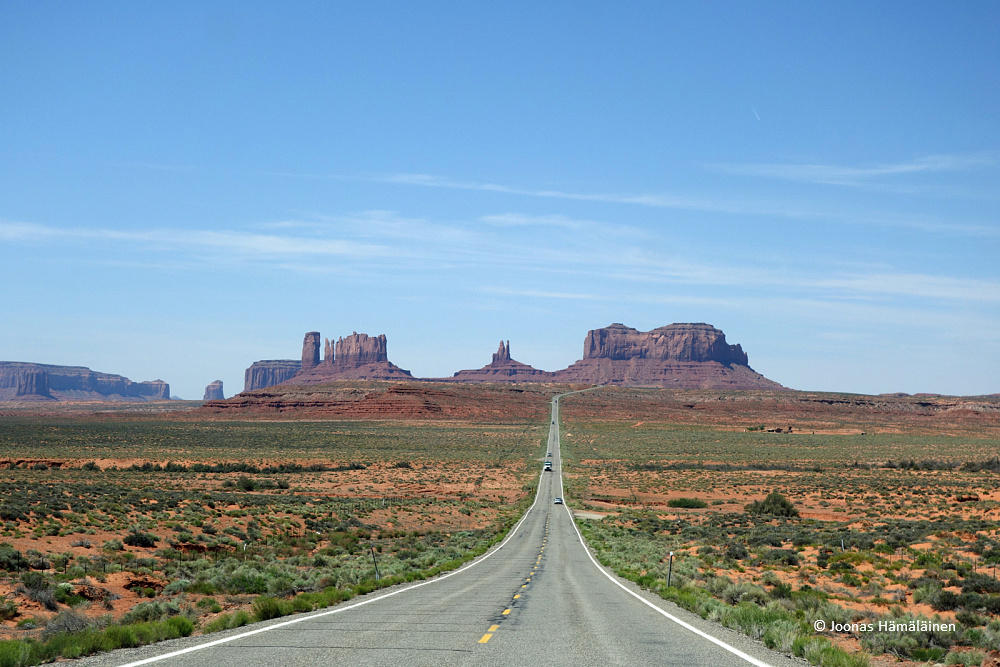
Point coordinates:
[[805, 506]]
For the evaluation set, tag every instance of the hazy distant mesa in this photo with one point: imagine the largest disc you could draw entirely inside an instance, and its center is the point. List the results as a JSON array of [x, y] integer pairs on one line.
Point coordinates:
[[23, 381], [680, 356]]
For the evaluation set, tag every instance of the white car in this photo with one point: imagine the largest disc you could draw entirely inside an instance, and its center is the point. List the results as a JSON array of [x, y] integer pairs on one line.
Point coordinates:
[[557, 501]]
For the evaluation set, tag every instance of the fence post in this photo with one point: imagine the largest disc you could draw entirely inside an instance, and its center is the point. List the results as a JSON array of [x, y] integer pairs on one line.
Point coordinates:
[[377, 576], [670, 568]]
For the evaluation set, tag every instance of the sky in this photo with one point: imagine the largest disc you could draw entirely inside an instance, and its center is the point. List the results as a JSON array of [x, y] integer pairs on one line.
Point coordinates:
[[189, 187]]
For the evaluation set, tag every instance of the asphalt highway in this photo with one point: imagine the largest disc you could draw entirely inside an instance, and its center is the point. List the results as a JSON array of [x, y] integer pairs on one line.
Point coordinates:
[[539, 598]]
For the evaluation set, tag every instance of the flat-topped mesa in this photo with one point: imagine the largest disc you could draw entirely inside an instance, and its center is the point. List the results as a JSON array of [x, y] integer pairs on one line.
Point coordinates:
[[25, 381], [310, 350], [502, 369], [681, 356], [213, 392], [269, 372], [674, 342]]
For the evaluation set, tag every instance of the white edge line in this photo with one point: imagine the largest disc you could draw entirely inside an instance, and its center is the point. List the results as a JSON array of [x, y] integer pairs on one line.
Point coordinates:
[[337, 610], [735, 651]]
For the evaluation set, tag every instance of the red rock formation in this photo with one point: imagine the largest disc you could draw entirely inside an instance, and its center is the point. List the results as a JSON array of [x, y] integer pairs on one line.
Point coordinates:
[[269, 372], [502, 355], [213, 392], [28, 381], [681, 356], [310, 350], [354, 357], [502, 369], [359, 349]]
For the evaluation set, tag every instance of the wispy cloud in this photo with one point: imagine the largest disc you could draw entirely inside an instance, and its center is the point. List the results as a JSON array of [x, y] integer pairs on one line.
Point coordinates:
[[25, 231], [830, 174], [557, 251], [915, 285], [242, 243], [729, 205]]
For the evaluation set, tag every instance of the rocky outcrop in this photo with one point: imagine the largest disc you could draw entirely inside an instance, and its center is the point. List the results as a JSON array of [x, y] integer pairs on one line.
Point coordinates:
[[675, 342], [354, 357], [213, 392], [503, 369], [310, 350], [269, 372], [40, 382], [359, 349], [680, 356], [501, 356]]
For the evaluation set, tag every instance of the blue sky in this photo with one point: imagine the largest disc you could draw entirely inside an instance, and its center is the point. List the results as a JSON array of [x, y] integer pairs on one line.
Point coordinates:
[[186, 188]]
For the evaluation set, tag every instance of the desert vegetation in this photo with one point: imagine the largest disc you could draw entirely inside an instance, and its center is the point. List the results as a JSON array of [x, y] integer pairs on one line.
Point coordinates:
[[885, 534], [118, 532]]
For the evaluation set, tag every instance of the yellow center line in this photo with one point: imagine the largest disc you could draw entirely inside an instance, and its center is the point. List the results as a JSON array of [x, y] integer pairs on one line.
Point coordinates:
[[506, 611], [517, 596], [486, 638], [494, 628]]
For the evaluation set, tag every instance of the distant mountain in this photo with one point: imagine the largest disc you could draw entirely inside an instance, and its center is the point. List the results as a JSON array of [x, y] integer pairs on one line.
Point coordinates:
[[25, 381]]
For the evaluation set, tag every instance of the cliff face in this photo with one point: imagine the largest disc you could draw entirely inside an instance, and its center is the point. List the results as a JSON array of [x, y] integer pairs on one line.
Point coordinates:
[[675, 342], [40, 382], [213, 392], [270, 372], [354, 357], [310, 350], [503, 369], [680, 356]]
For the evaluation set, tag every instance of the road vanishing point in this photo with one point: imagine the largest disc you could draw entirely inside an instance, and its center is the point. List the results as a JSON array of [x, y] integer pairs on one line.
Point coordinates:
[[537, 599]]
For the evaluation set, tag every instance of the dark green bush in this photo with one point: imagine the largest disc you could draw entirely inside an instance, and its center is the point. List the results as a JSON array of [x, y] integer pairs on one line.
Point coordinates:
[[140, 540], [691, 503], [266, 608], [774, 504]]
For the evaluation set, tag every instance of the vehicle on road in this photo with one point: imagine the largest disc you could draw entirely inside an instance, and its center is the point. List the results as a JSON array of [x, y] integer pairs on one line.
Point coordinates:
[[548, 467], [557, 501]]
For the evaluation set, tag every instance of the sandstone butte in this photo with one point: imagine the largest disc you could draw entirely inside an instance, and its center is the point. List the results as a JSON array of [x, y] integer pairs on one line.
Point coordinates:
[[23, 381], [213, 392], [679, 356]]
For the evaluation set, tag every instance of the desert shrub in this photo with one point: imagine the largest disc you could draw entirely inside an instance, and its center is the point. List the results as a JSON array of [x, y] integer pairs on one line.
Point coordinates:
[[751, 619], [691, 503], [780, 635], [964, 658], [35, 581], [774, 504], [228, 621], [113, 545], [266, 608], [137, 539], [980, 583], [780, 557], [8, 609], [736, 551], [66, 621], [150, 611], [11, 559], [245, 483], [744, 592]]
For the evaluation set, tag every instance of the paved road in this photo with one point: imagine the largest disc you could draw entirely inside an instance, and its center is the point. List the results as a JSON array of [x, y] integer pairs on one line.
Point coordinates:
[[539, 599]]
